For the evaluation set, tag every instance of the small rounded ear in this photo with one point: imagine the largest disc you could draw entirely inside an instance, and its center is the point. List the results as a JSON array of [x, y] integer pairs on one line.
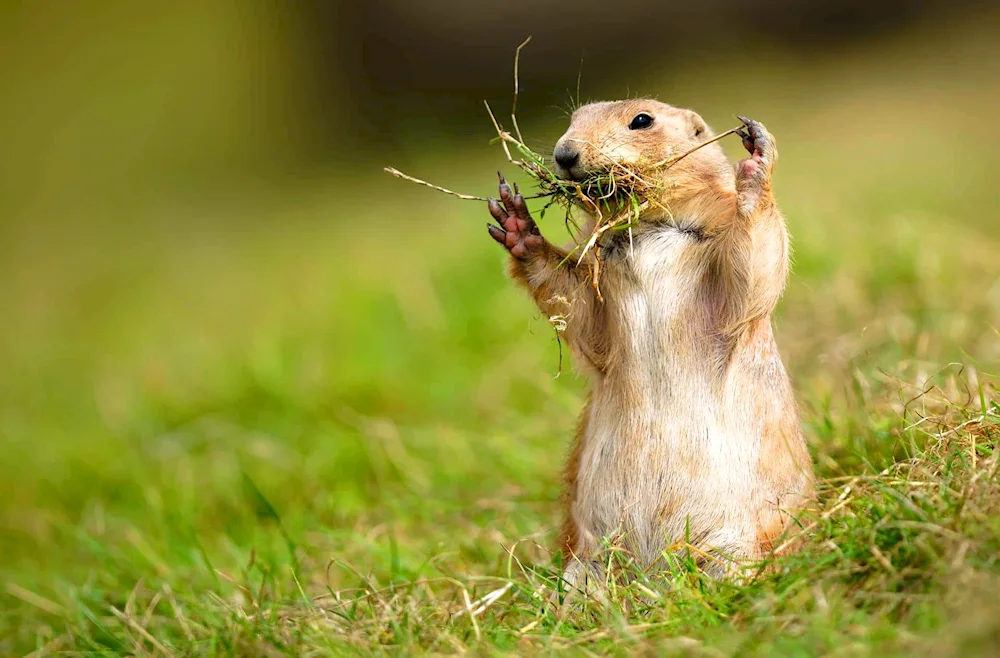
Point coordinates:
[[699, 129]]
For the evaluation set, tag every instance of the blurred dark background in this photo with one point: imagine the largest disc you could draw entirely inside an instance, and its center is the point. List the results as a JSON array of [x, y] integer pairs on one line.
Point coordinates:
[[434, 62]]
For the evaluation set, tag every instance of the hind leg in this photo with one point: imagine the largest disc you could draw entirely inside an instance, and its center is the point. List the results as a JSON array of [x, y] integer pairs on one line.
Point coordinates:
[[582, 573], [584, 577], [582, 581]]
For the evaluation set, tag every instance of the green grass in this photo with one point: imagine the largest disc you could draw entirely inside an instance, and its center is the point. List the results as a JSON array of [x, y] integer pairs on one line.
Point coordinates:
[[309, 437]]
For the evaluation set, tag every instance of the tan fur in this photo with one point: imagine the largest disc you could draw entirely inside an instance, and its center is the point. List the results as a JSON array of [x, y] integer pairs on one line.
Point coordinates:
[[691, 429], [569, 534]]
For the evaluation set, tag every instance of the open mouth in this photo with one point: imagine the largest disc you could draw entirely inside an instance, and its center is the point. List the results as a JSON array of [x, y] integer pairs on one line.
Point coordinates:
[[580, 174], [572, 174]]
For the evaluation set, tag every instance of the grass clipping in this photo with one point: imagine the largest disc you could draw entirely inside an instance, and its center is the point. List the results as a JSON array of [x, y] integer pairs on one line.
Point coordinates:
[[615, 197]]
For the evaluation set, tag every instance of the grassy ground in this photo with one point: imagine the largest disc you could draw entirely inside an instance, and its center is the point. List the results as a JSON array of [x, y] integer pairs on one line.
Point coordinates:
[[313, 438]]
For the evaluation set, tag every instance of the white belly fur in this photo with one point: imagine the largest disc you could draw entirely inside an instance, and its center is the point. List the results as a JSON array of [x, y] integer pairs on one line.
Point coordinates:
[[668, 451]]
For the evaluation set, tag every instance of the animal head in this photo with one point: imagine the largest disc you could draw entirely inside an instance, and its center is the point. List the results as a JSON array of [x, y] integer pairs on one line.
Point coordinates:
[[640, 134]]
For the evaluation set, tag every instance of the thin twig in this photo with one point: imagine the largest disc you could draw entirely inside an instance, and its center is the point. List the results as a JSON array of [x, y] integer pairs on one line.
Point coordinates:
[[513, 107], [465, 197], [398, 174], [579, 75], [670, 162], [503, 136], [597, 276]]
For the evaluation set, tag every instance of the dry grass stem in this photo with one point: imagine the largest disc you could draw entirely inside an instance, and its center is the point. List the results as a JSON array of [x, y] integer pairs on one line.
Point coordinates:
[[398, 174], [513, 105]]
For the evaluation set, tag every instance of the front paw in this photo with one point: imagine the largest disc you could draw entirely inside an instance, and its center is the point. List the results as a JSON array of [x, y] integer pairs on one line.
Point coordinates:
[[517, 231], [761, 146]]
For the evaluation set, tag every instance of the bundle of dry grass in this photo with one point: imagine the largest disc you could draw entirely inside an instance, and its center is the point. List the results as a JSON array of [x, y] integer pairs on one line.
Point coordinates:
[[615, 197]]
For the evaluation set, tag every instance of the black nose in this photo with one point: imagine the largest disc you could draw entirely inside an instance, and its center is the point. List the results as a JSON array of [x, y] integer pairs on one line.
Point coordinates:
[[566, 157]]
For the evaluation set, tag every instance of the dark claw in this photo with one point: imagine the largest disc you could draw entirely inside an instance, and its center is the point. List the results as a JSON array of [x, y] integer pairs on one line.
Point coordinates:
[[496, 210], [521, 208], [507, 197], [751, 126], [747, 140], [510, 211], [497, 233]]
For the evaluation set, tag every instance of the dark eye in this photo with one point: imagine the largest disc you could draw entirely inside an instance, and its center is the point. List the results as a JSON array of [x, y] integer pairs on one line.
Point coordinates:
[[641, 121]]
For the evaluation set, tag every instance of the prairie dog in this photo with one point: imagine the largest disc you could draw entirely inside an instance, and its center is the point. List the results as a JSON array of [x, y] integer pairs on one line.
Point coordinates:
[[690, 432]]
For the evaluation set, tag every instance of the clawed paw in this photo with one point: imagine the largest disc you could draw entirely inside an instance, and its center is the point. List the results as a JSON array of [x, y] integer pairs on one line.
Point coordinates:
[[517, 231], [760, 144]]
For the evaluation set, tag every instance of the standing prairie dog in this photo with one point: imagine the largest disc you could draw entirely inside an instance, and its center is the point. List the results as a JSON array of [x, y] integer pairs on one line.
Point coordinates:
[[691, 431]]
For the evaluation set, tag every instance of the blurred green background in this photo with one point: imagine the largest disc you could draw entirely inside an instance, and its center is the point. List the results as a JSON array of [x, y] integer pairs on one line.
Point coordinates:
[[211, 296]]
